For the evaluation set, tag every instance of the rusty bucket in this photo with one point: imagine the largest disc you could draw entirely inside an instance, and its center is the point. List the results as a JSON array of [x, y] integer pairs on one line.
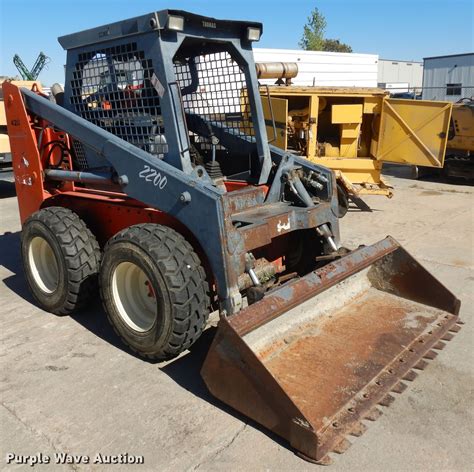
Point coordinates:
[[316, 356]]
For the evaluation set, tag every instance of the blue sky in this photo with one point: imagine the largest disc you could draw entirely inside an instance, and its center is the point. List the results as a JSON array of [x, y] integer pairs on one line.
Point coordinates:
[[399, 29]]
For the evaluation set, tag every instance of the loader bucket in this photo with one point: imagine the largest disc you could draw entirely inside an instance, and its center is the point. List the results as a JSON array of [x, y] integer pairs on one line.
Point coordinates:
[[316, 356]]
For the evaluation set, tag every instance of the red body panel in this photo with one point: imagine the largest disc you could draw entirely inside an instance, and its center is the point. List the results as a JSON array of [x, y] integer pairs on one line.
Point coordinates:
[[26, 160]]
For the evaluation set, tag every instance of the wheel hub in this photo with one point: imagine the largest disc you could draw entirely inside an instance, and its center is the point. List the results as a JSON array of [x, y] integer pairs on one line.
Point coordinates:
[[134, 296], [43, 263]]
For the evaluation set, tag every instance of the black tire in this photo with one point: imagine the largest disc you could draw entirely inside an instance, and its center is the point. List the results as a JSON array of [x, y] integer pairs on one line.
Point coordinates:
[[173, 274], [75, 254], [343, 202]]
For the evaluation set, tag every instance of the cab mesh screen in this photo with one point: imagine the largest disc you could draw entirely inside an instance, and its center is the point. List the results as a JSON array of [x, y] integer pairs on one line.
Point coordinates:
[[112, 88], [216, 92]]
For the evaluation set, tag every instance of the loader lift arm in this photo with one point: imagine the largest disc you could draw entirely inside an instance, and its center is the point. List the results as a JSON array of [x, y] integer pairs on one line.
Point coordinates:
[[177, 193]]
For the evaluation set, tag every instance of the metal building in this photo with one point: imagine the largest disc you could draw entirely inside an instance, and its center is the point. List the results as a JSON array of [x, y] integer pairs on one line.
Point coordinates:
[[400, 76], [333, 69], [448, 78]]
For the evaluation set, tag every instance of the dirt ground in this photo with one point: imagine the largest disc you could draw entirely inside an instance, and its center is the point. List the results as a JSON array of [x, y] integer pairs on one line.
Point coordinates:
[[68, 385]]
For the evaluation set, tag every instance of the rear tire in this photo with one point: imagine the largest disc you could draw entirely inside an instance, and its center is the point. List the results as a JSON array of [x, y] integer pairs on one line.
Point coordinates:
[[154, 290], [343, 202], [60, 259]]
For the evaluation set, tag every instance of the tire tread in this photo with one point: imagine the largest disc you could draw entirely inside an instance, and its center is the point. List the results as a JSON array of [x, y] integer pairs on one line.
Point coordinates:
[[81, 253], [188, 289]]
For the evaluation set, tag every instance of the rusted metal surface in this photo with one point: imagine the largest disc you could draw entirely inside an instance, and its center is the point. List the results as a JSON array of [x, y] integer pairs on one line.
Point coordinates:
[[273, 220], [300, 290], [244, 198], [311, 374], [276, 70], [263, 269], [252, 221]]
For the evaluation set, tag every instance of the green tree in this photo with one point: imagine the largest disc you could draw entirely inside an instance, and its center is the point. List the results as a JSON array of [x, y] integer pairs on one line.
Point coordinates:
[[335, 45], [313, 35], [313, 32]]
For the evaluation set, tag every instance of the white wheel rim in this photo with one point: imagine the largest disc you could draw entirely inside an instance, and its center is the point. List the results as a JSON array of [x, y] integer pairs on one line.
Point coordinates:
[[134, 296], [43, 264]]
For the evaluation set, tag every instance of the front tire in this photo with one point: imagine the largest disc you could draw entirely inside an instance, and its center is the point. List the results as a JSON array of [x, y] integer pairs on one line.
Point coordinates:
[[60, 259], [154, 290]]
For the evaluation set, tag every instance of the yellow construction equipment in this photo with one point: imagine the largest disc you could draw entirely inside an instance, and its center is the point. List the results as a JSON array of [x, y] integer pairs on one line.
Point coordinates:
[[458, 163], [459, 159], [354, 130]]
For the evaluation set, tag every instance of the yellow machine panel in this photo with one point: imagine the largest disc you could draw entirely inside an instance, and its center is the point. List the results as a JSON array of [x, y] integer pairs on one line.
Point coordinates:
[[414, 132], [345, 114], [279, 107]]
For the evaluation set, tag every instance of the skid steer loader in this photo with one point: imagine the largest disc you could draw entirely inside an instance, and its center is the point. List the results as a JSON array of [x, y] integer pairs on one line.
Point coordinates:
[[151, 178]]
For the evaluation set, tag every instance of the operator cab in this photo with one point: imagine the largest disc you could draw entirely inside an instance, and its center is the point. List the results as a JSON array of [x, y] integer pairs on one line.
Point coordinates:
[[187, 72]]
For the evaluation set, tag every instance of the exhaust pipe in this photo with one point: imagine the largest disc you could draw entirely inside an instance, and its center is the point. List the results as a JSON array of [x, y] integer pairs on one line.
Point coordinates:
[[277, 70]]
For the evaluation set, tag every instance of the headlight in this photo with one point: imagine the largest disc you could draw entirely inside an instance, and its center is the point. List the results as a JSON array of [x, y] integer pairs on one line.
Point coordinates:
[[253, 34], [175, 23]]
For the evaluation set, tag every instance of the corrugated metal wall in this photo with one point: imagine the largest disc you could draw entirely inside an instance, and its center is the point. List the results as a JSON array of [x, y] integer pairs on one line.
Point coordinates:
[[405, 72], [438, 72], [325, 68]]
